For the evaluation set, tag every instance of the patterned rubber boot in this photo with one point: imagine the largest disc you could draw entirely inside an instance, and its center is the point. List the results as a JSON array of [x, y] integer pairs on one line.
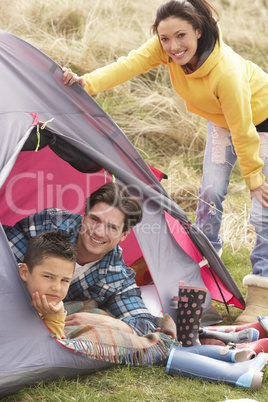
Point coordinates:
[[190, 307]]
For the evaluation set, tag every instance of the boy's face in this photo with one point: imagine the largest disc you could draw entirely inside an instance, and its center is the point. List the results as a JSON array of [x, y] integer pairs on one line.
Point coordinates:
[[52, 278]]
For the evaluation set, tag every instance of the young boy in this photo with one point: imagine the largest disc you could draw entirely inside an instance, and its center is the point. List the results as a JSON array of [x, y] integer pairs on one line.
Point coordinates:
[[47, 271]]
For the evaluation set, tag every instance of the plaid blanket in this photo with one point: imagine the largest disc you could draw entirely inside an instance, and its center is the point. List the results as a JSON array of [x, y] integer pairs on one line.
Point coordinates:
[[110, 344]]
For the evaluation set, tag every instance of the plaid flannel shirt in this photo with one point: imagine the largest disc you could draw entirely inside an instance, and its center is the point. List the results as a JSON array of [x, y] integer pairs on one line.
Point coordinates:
[[109, 281]]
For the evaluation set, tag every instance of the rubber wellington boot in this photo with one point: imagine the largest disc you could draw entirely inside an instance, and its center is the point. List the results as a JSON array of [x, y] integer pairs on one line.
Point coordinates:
[[250, 352], [224, 353], [190, 306], [211, 341], [236, 328], [260, 346], [248, 374], [244, 336], [256, 300], [264, 322]]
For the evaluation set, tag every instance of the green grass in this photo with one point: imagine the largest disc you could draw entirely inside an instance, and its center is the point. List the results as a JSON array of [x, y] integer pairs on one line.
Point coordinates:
[[135, 384], [238, 264]]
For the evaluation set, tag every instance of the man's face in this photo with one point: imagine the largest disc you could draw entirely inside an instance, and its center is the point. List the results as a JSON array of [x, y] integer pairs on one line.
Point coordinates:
[[101, 231], [52, 278]]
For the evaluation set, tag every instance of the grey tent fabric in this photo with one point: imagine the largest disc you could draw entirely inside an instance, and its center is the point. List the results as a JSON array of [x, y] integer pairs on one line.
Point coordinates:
[[32, 88]]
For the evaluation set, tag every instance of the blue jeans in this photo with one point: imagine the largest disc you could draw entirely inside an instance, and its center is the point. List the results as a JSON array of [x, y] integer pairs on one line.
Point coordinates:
[[219, 160]]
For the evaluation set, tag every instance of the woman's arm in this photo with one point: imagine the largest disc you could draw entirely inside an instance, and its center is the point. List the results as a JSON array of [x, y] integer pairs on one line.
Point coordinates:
[[139, 61], [234, 94]]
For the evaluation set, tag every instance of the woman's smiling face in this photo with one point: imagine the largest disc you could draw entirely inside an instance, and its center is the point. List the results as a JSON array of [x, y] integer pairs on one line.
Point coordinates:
[[179, 40]]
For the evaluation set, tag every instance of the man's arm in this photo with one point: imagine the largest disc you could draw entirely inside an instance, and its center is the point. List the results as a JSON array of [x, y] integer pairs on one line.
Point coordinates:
[[121, 299], [47, 219], [129, 307], [19, 234], [138, 320]]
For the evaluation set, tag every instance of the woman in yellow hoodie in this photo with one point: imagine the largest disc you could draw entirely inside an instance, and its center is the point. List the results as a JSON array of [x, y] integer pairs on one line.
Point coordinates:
[[232, 94]]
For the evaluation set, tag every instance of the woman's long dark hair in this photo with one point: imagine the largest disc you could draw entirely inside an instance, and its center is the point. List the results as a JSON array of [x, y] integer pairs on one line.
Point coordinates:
[[198, 13]]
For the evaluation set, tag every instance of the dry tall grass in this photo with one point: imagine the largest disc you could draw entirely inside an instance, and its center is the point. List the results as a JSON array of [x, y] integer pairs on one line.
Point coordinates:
[[86, 34]]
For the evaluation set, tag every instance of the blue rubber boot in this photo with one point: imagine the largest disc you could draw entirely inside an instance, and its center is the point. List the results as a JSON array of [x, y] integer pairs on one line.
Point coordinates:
[[224, 353], [248, 374]]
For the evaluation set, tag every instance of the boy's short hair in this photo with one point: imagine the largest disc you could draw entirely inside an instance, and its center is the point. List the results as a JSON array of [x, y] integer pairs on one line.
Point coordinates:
[[116, 195], [49, 244]]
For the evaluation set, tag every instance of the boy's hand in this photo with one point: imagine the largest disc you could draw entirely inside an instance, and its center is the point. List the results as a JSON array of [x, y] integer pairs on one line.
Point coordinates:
[[41, 305]]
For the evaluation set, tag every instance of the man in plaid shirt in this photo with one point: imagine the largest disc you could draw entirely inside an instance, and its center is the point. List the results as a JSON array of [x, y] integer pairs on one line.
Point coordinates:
[[100, 273]]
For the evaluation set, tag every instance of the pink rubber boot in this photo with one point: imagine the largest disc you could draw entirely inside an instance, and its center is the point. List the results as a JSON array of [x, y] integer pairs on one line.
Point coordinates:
[[240, 327], [254, 348]]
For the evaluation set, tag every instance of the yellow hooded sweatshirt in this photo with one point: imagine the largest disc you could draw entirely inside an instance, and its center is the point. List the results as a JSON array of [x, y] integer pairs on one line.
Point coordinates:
[[226, 89]]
